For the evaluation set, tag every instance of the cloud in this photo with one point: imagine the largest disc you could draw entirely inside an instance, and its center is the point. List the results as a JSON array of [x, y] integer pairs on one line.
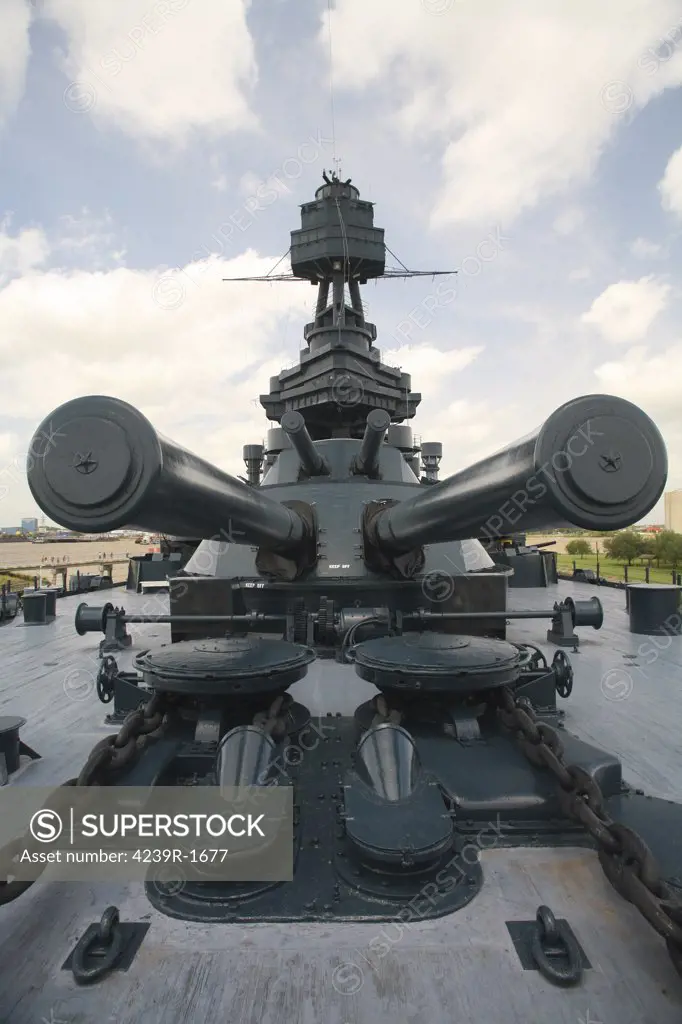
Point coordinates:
[[86, 240], [77, 240], [21, 252], [670, 185], [8, 443], [520, 101], [15, 50], [195, 370], [84, 231], [115, 332], [644, 377], [434, 367], [652, 381], [643, 248], [569, 221], [625, 311], [158, 69]]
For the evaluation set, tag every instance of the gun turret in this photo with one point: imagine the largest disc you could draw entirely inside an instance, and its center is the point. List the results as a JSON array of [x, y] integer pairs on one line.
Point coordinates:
[[105, 466], [598, 462]]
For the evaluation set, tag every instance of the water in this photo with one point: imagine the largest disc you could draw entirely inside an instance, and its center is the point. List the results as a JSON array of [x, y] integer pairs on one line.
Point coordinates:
[[84, 555]]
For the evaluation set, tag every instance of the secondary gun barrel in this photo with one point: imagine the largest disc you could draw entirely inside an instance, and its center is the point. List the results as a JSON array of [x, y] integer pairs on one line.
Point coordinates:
[[598, 462], [367, 461], [97, 464], [293, 425]]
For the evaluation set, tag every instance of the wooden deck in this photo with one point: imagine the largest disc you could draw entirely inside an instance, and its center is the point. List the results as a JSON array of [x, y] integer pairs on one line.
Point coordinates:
[[462, 967]]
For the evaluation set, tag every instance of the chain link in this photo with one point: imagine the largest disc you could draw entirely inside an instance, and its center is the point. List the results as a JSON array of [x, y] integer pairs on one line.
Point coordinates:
[[626, 860], [102, 768]]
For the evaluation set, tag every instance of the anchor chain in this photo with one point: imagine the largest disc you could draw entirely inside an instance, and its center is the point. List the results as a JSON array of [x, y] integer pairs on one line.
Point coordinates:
[[114, 753], [107, 758], [626, 860]]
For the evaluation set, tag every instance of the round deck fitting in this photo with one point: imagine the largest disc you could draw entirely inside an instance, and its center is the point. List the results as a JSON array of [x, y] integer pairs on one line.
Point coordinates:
[[244, 666], [437, 662]]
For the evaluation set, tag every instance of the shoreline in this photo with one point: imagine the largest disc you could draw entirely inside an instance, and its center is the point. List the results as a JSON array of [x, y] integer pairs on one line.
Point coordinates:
[[45, 560]]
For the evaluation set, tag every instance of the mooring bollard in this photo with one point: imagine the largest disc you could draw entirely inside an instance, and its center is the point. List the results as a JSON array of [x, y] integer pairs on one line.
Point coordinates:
[[653, 609], [50, 602], [35, 608]]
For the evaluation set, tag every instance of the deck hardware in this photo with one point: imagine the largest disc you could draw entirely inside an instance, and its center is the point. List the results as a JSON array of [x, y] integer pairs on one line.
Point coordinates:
[[548, 945], [106, 619], [625, 858], [106, 946], [322, 626], [553, 945], [11, 745], [102, 944], [116, 638], [570, 614], [563, 674], [105, 679]]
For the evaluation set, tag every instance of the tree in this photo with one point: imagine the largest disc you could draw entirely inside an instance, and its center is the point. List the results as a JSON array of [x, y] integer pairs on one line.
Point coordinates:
[[668, 548], [578, 547], [626, 544], [648, 548]]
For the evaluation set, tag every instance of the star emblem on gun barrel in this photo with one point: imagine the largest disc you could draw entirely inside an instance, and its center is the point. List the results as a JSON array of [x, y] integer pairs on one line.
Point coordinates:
[[85, 463], [610, 461]]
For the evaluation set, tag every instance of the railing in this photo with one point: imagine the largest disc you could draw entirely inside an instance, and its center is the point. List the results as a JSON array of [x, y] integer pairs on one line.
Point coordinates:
[[56, 569], [629, 574]]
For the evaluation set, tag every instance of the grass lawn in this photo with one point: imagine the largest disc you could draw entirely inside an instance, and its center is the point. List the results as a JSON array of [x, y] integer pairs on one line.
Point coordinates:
[[614, 570], [16, 582]]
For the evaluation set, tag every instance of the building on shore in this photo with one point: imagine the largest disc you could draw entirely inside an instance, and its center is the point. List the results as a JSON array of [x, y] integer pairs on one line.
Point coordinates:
[[673, 510]]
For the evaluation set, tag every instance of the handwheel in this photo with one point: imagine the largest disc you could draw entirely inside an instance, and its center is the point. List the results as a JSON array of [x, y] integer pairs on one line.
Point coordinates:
[[105, 679], [563, 674]]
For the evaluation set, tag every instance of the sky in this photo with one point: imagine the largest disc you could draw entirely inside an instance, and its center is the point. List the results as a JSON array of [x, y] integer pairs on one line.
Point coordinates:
[[535, 147]]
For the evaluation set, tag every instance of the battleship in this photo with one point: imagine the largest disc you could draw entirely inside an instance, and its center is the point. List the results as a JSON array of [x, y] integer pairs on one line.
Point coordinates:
[[484, 781]]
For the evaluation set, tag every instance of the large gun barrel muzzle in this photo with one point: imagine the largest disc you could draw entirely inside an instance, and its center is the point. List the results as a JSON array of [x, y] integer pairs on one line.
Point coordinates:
[[98, 464], [598, 462]]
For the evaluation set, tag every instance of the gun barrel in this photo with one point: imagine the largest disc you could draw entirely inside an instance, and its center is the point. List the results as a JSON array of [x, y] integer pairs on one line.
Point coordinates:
[[98, 464], [598, 462], [293, 425], [367, 462]]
